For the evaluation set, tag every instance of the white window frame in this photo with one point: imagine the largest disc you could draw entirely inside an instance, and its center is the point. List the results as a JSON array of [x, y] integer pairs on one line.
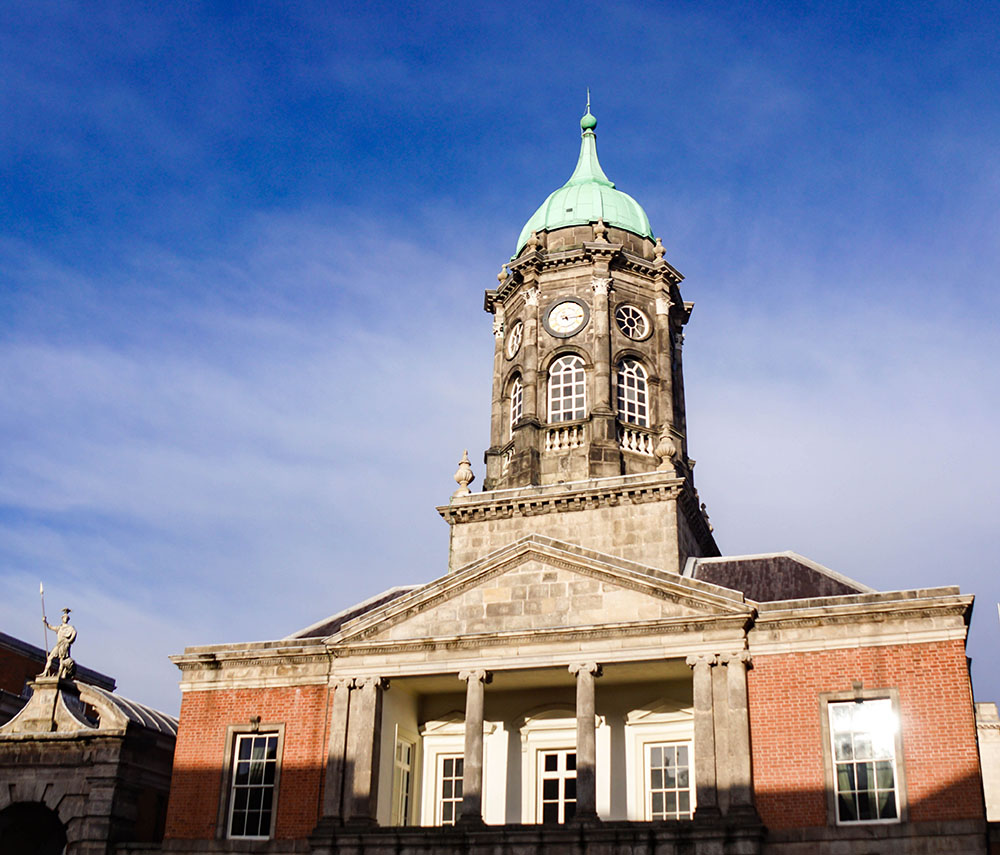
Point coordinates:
[[445, 737], [561, 775], [235, 740], [568, 374], [456, 778], [659, 722], [632, 383], [628, 317], [890, 705], [516, 403], [553, 729], [648, 769], [403, 776]]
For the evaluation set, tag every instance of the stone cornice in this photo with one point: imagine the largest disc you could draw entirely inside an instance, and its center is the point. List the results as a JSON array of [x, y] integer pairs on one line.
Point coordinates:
[[547, 636], [258, 655], [530, 501], [895, 605]]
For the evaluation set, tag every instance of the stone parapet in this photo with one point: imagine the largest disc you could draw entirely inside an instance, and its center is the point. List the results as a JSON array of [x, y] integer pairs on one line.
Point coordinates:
[[661, 527], [742, 836]]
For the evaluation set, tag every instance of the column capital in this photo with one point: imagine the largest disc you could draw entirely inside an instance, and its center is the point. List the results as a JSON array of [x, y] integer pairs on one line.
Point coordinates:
[[531, 296], [339, 683], [588, 667], [480, 674], [736, 656], [601, 286], [708, 659], [375, 682]]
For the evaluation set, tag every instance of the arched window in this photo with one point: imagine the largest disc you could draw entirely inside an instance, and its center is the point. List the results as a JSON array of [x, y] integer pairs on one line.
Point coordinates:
[[567, 389], [633, 400], [516, 403]]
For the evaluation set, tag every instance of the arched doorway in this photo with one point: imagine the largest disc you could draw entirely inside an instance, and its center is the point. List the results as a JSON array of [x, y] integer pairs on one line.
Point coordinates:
[[31, 828]]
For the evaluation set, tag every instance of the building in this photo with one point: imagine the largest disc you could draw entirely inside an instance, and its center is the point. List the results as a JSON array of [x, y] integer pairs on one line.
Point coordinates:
[[589, 674], [81, 768], [20, 663]]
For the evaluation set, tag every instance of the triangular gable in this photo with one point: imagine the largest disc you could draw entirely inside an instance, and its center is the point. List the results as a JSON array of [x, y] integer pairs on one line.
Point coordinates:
[[539, 584]]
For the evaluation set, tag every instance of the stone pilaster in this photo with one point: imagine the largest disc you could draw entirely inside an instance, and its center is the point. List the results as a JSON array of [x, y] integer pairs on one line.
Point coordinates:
[[740, 771], [364, 730], [472, 777], [586, 739], [333, 791], [704, 736]]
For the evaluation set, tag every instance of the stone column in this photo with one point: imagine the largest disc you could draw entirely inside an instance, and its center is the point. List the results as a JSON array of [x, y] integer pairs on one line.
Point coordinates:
[[740, 761], [665, 364], [364, 732], [601, 286], [720, 692], [586, 739], [704, 736], [530, 358], [496, 421], [472, 776], [333, 791]]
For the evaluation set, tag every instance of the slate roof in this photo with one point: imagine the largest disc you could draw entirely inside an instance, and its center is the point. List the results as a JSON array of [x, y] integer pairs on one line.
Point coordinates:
[[773, 576]]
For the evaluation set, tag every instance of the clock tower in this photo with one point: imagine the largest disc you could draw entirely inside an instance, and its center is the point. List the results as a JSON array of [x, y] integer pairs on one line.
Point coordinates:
[[588, 420]]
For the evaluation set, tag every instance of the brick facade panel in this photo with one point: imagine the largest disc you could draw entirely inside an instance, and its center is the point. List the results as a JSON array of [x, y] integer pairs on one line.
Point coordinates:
[[940, 758], [197, 788]]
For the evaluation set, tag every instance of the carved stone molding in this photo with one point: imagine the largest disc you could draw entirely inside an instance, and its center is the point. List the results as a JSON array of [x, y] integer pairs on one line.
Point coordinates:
[[601, 287], [588, 667], [480, 674]]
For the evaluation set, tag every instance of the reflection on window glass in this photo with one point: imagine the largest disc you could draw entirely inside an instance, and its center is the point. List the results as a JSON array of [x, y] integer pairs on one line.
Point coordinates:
[[863, 734], [255, 764], [669, 781]]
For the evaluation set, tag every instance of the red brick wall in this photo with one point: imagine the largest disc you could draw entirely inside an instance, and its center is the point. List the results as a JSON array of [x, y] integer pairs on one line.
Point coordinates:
[[15, 668], [196, 786], [938, 728]]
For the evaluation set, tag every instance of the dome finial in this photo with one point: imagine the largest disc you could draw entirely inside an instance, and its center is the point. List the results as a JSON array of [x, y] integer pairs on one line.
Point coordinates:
[[588, 122]]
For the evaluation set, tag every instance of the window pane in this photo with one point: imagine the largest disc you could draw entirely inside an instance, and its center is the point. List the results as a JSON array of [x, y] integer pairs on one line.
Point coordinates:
[[240, 799], [655, 756], [887, 805], [671, 802], [239, 824], [883, 775], [551, 762], [684, 801], [571, 761], [570, 789], [569, 811], [657, 806], [550, 812], [656, 779], [843, 748], [847, 808], [446, 789], [550, 789]]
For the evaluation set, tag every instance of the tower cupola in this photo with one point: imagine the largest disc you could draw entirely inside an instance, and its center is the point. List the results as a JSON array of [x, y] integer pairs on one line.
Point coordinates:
[[587, 197]]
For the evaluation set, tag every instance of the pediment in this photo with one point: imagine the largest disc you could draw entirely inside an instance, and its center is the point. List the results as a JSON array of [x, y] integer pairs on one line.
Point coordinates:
[[537, 585]]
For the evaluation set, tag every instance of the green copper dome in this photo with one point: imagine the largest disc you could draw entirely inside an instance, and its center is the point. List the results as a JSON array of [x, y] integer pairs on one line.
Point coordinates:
[[587, 197]]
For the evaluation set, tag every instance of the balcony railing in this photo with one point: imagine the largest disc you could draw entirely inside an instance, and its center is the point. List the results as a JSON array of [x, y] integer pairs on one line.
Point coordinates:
[[563, 438], [636, 440]]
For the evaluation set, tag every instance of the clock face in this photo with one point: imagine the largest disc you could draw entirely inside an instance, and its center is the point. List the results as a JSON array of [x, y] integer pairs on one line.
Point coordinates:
[[514, 339], [566, 318]]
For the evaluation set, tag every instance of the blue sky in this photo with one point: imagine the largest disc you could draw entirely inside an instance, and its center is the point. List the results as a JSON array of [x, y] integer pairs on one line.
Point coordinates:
[[243, 249]]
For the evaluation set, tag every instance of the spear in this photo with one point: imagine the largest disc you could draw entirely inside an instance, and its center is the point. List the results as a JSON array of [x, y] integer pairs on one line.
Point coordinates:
[[45, 623]]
